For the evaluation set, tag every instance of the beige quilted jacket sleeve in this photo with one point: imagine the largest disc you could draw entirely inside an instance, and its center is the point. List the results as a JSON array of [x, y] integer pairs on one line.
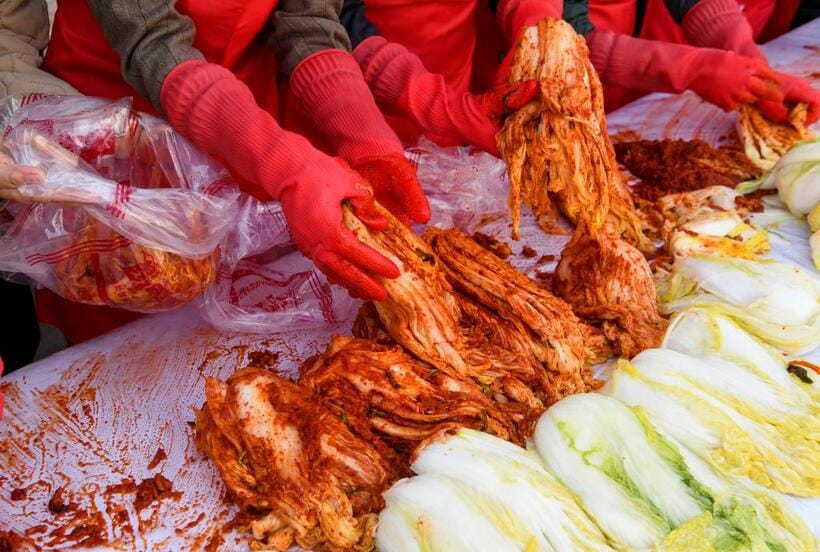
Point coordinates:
[[24, 30]]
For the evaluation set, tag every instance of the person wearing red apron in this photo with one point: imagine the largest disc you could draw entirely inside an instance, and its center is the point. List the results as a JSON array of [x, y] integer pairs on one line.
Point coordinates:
[[442, 35], [765, 19], [722, 65], [401, 83], [717, 24], [732, 26], [206, 65]]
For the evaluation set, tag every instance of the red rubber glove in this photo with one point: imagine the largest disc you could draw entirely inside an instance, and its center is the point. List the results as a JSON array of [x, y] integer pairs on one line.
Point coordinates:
[[210, 106], [721, 78], [396, 186], [795, 90], [400, 83], [514, 16], [721, 25], [330, 86]]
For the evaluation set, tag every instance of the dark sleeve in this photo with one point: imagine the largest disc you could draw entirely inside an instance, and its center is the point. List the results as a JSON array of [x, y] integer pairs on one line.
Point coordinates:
[[151, 38], [304, 27], [355, 22], [576, 13], [679, 8]]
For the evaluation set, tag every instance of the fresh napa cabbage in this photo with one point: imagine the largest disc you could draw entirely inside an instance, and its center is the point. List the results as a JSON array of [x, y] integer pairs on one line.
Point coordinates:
[[636, 492], [705, 334], [775, 215], [727, 414], [814, 240], [796, 175], [814, 218], [777, 302], [477, 492], [647, 492]]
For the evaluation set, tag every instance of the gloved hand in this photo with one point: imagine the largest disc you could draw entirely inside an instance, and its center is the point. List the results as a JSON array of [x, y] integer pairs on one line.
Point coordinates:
[[400, 83], [721, 25], [514, 16], [396, 186], [722, 78], [795, 90], [206, 103], [330, 86]]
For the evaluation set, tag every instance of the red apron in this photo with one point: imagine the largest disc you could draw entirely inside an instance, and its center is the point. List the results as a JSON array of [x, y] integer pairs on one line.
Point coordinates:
[[617, 16], [777, 23], [442, 33], [228, 32]]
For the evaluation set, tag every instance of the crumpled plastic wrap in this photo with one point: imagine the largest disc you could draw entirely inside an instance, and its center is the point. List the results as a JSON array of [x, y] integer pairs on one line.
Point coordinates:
[[468, 189], [265, 285]]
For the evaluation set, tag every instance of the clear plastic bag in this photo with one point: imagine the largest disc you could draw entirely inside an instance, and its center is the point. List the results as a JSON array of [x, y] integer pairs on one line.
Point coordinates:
[[265, 285], [468, 189], [463, 185], [130, 214]]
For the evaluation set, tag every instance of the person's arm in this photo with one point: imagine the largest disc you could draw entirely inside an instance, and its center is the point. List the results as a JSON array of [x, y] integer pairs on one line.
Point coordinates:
[[715, 24], [576, 13], [151, 38], [402, 84], [208, 104], [313, 49], [722, 78], [23, 39], [353, 18], [721, 24]]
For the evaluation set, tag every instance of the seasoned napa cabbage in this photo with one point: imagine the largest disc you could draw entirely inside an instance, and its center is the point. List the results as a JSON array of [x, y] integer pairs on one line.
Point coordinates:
[[647, 492], [744, 242], [706, 221], [777, 302], [476, 492], [742, 423]]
